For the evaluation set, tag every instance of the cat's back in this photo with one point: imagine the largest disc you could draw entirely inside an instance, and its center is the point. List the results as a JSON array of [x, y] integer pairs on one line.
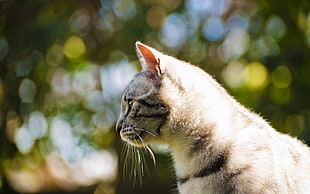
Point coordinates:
[[259, 159], [265, 161]]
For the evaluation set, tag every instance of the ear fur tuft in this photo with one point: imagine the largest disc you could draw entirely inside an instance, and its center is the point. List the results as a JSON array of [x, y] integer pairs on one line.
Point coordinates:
[[148, 59]]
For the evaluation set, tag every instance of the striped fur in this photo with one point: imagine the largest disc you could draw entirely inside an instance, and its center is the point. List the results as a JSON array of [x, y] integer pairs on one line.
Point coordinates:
[[217, 145]]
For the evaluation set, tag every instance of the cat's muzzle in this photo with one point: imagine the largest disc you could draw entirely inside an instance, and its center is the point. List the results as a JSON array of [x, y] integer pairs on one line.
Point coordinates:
[[132, 136]]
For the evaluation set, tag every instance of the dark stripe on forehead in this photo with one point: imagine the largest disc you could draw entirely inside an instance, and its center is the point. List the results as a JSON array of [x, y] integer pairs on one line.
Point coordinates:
[[157, 107], [158, 115], [147, 104], [154, 110]]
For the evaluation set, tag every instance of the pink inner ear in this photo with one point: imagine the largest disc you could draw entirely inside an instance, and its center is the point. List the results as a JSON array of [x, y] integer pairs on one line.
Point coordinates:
[[151, 63]]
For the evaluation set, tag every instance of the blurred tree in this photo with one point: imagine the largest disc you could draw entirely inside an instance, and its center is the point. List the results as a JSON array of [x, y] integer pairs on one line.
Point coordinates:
[[63, 65]]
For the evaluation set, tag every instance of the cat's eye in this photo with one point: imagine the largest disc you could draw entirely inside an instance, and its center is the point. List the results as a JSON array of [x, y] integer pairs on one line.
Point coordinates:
[[130, 102]]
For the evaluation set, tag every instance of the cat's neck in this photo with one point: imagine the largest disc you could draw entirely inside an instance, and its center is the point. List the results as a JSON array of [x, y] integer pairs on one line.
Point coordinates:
[[201, 146], [200, 103], [202, 130], [204, 119]]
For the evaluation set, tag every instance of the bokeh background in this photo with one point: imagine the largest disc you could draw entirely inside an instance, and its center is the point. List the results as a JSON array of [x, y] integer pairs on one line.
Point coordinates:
[[64, 63]]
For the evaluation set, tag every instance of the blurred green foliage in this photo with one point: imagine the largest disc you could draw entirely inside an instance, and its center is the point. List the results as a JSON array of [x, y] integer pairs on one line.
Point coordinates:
[[63, 65]]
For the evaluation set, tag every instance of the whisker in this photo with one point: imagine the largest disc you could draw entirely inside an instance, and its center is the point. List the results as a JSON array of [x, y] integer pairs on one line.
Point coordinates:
[[146, 147], [128, 132], [135, 164], [140, 170], [151, 153], [127, 149], [125, 164], [124, 151], [133, 173], [138, 129]]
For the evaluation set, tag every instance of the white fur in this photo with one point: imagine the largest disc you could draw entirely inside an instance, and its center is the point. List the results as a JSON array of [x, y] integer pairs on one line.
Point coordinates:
[[201, 108]]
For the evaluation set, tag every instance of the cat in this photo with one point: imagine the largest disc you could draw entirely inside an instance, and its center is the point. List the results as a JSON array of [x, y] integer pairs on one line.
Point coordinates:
[[217, 145]]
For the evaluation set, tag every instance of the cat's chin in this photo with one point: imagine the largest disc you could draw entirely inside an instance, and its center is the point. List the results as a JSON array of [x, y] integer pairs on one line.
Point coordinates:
[[134, 144]]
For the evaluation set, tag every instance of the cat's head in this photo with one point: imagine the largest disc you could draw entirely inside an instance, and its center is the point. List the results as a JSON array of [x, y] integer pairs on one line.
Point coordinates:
[[143, 114]]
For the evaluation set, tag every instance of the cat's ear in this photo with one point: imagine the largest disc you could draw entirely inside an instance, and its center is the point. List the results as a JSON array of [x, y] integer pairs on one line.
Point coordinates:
[[148, 59]]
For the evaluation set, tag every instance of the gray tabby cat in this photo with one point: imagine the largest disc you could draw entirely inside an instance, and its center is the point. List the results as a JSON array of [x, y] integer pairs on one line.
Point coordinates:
[[217, 145]]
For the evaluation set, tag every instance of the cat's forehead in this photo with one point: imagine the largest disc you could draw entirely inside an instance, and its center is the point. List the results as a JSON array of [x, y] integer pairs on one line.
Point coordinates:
[[142, 84]]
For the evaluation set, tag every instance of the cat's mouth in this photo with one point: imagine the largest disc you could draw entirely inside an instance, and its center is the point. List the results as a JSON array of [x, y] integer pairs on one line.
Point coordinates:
[[133, 136]]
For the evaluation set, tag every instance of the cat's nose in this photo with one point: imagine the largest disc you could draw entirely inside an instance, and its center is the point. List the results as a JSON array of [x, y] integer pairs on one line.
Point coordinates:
[[118, 127]]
